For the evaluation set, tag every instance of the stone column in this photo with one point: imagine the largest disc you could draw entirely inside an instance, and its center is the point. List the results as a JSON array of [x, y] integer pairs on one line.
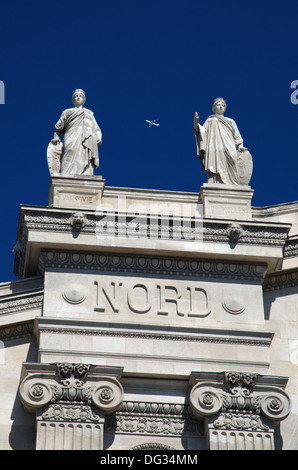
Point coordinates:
[[70, 401], [240, 409]]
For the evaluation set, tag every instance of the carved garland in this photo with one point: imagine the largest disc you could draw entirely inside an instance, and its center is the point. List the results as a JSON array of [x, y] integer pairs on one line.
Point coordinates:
[[159, 419]]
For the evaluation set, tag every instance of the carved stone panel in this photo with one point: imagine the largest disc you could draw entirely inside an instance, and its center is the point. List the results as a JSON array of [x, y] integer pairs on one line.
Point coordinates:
[[154, 419], [118, 288]]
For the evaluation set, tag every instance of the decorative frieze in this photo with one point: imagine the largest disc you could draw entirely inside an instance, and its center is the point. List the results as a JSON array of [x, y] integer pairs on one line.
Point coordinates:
[[70, 412], [239, 422], [159, 419], [21, 302], [158, 265], [281, 280], [21, 330], [291, 248], [113, 223], [214, 336]]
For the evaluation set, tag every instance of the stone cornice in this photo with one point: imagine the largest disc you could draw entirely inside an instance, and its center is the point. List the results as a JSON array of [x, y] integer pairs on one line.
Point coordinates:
[[165, 333], [148, 232], [21, 302], [117, 223], [291, 248], [19, 330], [275, 210], [281, 280]]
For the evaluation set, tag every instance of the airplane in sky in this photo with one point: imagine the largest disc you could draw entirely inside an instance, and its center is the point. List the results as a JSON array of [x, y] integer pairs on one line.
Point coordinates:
[[152, 123]]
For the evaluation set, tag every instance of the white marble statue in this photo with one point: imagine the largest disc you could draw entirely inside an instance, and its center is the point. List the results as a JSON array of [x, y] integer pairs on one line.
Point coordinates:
[[220, 148], [78, 154]]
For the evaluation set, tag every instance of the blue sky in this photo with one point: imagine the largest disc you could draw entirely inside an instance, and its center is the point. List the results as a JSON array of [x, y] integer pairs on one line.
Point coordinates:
[[140, 60]]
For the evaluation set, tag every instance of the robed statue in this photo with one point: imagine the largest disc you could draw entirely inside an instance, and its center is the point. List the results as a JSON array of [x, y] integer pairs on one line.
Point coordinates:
[[78, 153], [220, 148]]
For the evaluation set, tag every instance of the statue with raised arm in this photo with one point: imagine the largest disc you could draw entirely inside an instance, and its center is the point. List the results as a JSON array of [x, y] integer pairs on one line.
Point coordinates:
[[78, 154], [220, 148]]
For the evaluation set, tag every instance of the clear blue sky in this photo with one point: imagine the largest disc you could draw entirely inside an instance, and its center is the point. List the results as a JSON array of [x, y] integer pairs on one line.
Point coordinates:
[[137, 60]]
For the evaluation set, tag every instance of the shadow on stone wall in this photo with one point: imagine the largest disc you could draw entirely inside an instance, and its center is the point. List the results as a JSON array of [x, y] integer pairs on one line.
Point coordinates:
[[23, 432]]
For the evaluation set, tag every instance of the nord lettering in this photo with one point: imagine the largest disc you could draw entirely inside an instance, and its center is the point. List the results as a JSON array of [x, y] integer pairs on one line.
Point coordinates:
[[161, 299]]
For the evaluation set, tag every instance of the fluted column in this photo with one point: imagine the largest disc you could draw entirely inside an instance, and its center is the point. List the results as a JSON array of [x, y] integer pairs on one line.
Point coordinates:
[[70, 402], [240, 409]]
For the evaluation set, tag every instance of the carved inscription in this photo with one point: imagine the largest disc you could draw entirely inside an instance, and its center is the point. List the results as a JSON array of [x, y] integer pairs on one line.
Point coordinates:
[[85, 198], [160, 298]]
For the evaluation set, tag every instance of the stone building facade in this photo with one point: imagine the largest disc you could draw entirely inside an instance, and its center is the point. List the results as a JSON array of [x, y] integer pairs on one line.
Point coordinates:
[[145, 319]]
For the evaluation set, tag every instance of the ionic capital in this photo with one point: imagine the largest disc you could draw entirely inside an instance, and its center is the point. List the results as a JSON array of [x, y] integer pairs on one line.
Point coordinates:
[[48, 384], [237, 392]]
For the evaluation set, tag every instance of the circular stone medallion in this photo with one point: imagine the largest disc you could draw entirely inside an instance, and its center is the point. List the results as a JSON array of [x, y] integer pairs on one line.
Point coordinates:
[[233, 305], [74, 294]]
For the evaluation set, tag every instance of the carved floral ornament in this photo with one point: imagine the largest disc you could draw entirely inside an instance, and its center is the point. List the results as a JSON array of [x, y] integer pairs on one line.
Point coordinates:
[[72, 388], [242, 396]]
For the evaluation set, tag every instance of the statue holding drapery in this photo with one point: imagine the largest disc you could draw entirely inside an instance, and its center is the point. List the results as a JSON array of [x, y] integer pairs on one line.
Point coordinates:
[[78, 153], [220, 148]]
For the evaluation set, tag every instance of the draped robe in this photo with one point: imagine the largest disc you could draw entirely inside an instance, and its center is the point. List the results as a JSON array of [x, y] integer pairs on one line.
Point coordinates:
[[80, 143], [216, 142]]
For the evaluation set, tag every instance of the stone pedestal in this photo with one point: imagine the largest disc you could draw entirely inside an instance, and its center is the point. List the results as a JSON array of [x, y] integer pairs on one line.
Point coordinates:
[[76, 192], [223, 201]]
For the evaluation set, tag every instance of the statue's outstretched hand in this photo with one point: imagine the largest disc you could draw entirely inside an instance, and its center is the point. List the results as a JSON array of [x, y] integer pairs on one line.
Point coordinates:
[[241, 148], [196, 120]]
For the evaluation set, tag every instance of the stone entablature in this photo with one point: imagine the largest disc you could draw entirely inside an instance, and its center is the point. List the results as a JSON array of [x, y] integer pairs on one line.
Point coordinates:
[[256, 241]]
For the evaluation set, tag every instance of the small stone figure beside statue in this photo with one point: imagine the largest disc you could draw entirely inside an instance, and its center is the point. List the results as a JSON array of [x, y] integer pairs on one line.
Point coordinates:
[[78, 153], [220, 148]]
